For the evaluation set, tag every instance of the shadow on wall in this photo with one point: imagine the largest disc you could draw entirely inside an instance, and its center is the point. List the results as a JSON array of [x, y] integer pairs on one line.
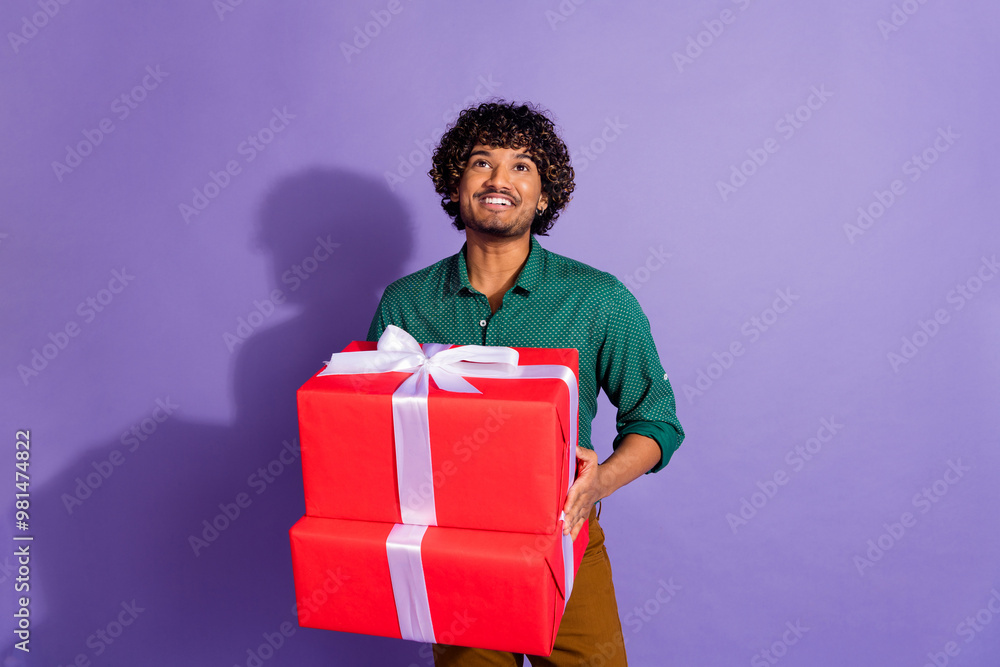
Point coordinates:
[[181, 555]]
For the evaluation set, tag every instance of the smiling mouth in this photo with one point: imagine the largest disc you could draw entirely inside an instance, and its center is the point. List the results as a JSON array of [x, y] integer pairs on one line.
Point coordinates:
[[496, 200]]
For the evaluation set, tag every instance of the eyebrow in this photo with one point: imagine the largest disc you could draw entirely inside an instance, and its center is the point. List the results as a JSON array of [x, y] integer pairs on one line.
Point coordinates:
[[519, 156]]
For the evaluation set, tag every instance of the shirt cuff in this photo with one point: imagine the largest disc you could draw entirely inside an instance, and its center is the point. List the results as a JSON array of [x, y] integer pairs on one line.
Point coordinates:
[[663, 433]]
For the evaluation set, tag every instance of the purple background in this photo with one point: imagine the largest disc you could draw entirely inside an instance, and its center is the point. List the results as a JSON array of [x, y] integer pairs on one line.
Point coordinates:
[[652, 135]]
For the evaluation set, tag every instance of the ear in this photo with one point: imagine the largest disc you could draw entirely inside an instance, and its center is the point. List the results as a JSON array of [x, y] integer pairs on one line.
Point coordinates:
[[543, 202]]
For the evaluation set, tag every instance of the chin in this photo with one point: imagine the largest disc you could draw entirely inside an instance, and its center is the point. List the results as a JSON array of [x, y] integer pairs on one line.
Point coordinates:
[[500, 231], [494, 227]]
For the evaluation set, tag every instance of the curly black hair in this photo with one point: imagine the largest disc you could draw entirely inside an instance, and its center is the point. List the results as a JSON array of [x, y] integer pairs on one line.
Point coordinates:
[[505, 125]]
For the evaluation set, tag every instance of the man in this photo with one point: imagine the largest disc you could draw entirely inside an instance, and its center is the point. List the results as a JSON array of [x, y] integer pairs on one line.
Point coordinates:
[[504, 175]]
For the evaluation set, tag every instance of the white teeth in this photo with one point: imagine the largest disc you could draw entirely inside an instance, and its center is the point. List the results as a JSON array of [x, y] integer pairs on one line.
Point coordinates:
[[496, 200]]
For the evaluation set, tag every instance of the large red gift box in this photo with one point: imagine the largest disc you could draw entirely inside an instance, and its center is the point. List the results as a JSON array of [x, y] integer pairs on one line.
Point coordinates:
[[500, 459], [484, 589]]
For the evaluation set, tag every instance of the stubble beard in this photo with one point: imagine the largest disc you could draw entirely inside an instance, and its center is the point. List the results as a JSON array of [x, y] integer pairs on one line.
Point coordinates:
[[494, 226]]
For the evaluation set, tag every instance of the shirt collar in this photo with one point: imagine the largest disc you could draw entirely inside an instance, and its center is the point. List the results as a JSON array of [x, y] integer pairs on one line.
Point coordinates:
[[527, 280], [531, 274]]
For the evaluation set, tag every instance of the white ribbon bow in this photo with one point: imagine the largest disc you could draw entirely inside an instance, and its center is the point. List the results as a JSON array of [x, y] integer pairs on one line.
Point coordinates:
[[398, 351]]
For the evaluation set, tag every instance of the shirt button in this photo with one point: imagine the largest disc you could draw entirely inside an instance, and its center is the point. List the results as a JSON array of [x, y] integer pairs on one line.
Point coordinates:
[[482, 323]]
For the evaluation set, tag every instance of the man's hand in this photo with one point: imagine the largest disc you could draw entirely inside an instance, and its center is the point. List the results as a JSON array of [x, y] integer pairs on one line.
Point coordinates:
[[585, 492], [636, 454]]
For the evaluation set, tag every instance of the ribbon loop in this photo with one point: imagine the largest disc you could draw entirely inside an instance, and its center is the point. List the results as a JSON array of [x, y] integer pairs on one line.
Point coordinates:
[[398, 351]]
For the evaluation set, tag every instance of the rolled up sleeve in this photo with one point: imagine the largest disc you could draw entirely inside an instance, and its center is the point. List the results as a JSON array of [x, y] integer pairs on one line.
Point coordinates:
[[632, 376]]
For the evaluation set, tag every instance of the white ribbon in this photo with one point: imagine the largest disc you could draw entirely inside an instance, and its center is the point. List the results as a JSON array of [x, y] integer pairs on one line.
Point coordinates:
[[398, 351], [568, 559], [407, 573]]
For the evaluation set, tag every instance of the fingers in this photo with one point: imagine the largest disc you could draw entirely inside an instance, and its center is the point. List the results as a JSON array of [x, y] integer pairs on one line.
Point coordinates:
[[572, 509], [586, 462], [572, 512], [572, 528], [574, 491], [583, 493], [575, 515], [577, 504], [585, 455]]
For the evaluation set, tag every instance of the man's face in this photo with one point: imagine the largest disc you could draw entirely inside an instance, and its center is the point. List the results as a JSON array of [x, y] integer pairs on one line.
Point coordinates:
[[499, 191]]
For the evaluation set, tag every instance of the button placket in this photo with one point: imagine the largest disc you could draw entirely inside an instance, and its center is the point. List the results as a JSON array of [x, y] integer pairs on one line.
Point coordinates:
[[484, 317]]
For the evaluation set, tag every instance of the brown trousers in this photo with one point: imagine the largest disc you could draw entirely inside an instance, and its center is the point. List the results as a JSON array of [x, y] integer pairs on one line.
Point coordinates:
[[590, 634]]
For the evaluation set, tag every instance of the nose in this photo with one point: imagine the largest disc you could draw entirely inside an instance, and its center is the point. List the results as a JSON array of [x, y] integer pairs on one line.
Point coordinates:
[[499, 178]]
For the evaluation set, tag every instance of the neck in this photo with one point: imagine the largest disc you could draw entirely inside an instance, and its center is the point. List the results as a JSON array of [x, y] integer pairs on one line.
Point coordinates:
[[494, 263]]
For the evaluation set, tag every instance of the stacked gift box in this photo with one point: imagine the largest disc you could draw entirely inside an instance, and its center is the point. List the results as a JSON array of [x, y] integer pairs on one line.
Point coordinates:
[[434, 481]]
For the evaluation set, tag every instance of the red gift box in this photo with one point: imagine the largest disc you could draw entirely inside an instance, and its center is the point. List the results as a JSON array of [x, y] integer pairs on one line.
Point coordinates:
[[484, 589], [499, 460]]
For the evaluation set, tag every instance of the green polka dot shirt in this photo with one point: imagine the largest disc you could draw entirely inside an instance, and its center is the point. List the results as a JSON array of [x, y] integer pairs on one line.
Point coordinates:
[[556, 302]]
